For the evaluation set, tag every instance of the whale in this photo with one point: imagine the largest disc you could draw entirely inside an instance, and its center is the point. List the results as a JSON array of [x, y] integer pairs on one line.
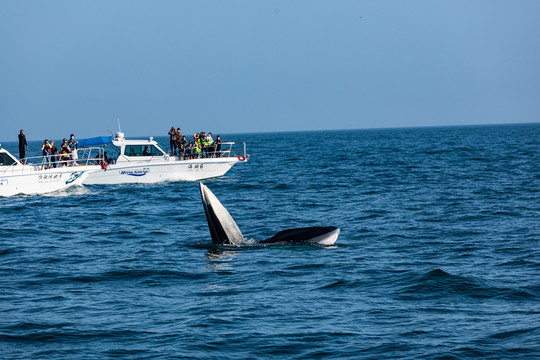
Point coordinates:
[[224, 230]]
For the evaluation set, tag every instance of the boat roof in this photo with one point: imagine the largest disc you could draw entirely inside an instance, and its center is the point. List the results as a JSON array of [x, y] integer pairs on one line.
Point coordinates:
[[118, 140], [95, 141]]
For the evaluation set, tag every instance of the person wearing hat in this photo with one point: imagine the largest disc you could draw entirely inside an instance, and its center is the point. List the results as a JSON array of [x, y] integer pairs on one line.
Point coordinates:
[[74, 145]]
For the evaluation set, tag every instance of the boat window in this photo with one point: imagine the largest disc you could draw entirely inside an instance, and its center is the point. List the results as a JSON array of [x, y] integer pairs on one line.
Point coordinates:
[[113, 152], [5, 159], [154, 151], [138, 150]]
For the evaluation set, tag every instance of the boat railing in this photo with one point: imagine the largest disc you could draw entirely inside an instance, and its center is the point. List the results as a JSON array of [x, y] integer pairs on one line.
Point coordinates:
[[224, 150], [79, 157], [233, 149]]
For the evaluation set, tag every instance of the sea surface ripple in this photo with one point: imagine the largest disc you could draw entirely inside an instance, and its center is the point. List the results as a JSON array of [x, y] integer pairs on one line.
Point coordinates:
[[438, 256]]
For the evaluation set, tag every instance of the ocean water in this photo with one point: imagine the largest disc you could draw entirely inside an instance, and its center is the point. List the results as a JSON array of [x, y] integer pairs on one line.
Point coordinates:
[[438, 256]]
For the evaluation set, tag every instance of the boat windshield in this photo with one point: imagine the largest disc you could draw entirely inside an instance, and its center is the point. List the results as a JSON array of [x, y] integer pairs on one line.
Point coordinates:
[[139, 150], [6, 160]]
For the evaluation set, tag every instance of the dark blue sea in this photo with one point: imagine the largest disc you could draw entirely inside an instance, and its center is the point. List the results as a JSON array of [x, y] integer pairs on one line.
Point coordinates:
[[438, 257]]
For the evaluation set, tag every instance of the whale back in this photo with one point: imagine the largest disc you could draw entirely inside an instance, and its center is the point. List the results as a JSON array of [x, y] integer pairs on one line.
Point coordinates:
[[222, 226], [322, 235]]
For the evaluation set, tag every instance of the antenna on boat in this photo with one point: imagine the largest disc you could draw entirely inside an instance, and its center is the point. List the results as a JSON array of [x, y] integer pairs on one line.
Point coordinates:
[[119, 135]]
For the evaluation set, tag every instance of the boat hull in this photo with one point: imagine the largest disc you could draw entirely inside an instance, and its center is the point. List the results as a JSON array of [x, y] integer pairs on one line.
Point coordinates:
[[162, 171], [29, 181]]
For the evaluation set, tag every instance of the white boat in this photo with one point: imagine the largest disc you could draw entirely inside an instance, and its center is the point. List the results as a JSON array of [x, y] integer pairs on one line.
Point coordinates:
[[144, 161], [33, 176]]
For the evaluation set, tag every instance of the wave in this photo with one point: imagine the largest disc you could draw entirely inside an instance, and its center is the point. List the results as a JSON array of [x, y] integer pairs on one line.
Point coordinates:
[[440, 284], [306, 266], [58, 333], [337, 284], [514, 333], [115, 275], [70, 191], [10, 251]]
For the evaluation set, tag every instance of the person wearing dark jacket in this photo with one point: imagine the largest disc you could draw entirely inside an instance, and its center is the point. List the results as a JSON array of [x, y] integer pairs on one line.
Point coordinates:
[[23, 145], [46, 149], [182, 147], [54, 154], [217, 146], [64, 151], [172, 140]]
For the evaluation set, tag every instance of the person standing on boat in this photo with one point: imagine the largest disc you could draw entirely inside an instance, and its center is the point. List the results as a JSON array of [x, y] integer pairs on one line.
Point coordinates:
[[182, 147], [172, 140], [64, 150], [54, 154], [201, 141], [73, 145], [177, 138], [195, 144], [196, 147], [46, 152], [189, 149], [217, 146], [23, 145], [210, 145]]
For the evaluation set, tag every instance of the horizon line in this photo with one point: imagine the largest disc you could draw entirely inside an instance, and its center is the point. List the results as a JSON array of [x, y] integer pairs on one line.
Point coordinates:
[[338, 129]]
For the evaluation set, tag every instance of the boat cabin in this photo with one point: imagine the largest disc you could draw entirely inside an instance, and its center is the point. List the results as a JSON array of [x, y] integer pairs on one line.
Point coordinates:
[[137, 150]]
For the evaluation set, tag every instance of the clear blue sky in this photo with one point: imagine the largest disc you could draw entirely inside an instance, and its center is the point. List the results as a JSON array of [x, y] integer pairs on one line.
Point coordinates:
[[250, 66]]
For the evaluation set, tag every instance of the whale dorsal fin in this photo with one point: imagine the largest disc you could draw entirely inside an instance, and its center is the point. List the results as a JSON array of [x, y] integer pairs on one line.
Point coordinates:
[[222, 226]]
